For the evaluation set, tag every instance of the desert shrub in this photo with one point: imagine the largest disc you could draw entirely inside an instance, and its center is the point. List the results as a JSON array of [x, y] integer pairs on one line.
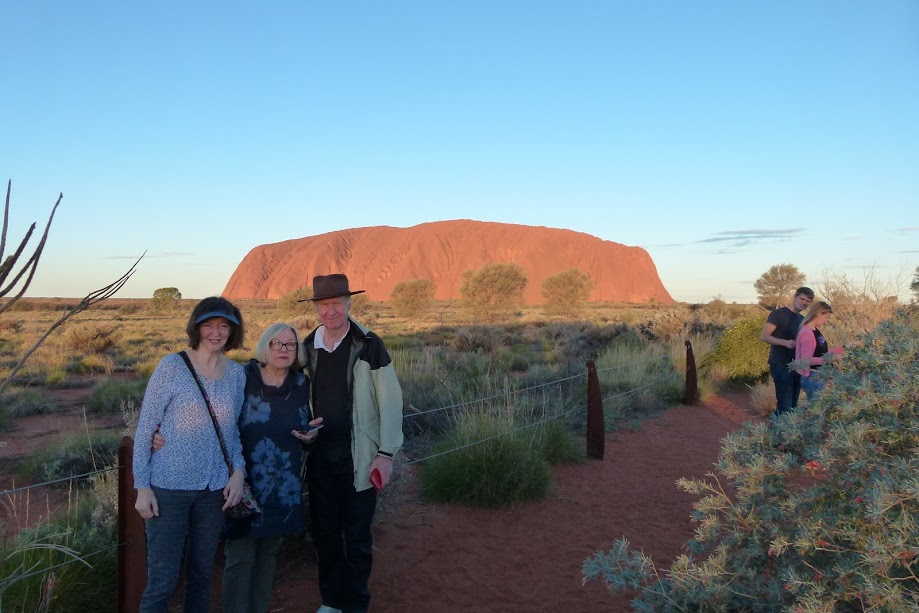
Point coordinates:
[[87, 530], [91, 338], [364, 310], [762, 398], [11, 326], [566, 292], [479, 339], [495, 473], [289, 304], [637, 380], [165, 300], [858, 306], [109, 394], [91, 364], [557, 445], [130, 308], [493, 292], [740, 351], [76, 455], [413, 297], [19, 403], [824, 506]]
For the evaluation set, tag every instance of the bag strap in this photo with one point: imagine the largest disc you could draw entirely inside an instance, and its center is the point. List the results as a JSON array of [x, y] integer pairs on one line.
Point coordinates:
[[210, 410]]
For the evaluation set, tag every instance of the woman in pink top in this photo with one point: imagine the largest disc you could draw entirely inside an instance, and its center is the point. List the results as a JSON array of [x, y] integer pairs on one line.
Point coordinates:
[[812, 346]]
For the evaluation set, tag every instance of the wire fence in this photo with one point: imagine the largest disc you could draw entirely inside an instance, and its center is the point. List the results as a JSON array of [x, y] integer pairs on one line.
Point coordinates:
[[533, 424], [61, 480]]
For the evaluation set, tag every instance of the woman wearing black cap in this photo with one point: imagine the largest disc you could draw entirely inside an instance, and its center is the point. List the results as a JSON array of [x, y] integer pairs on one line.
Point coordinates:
[[183, 489]]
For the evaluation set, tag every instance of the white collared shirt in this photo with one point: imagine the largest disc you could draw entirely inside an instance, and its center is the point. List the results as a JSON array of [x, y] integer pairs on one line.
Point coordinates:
[[319, 339]]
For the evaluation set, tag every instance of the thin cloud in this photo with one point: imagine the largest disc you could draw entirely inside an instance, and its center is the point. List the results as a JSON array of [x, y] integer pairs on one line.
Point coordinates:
[[906, 230], [742, 238], [165, 254]]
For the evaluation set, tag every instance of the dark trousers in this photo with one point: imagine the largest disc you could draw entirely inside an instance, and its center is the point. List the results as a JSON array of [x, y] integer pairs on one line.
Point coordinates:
[[787, 388], [341, 519], [189, 523]]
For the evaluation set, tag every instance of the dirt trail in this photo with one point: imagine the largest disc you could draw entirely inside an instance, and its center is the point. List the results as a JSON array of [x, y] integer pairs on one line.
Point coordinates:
[[444, 558]]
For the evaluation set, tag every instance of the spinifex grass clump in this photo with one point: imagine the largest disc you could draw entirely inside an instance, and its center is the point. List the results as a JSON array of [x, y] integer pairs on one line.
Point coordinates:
[[75, 455], [825, 515], [487, 463]]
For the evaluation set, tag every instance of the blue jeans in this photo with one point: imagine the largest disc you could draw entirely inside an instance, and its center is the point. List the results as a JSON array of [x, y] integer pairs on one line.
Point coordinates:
[[811, 386], [787, 388], [189, 520]]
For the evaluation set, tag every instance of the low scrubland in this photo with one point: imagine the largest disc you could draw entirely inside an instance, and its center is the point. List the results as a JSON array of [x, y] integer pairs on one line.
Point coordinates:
[[488, 408]]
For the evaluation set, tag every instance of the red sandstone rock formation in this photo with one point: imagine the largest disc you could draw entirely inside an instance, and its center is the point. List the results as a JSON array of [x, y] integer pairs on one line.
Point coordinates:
[[376, 259]]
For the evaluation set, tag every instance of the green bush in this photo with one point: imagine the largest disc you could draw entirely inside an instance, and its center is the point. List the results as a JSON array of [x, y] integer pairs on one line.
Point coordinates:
[[495, 473], [824, 504], [75, 455], [108, 396], [82, 541], [289, 304], [557, 445], [740, 352], [27, 402], [413, 298]]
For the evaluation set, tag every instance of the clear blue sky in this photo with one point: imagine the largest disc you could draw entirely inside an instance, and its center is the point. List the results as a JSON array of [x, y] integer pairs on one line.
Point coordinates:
[[723, 137]]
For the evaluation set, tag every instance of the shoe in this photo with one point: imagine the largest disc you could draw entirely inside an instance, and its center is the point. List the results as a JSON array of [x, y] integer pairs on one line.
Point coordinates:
[[327, 609]]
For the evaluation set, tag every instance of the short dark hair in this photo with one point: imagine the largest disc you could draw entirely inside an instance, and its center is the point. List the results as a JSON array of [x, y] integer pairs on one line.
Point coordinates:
[[806, 291], [217, 304]]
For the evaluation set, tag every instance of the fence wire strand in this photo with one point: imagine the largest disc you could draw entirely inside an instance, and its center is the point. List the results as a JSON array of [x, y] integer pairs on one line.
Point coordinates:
[[635, 389], [61, 480], [504, 395], [497, 436]]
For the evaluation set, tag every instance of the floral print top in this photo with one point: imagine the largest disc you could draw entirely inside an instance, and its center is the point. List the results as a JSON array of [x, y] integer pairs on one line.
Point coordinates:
[[272, 453]]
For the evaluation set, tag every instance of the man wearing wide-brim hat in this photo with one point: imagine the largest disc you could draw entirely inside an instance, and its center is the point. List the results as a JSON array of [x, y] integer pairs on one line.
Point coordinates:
[[355, 391]]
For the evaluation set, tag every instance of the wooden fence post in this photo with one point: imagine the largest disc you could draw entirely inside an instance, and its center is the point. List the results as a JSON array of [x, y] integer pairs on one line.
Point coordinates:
[[596, 432], [692, 381], [132, 554]]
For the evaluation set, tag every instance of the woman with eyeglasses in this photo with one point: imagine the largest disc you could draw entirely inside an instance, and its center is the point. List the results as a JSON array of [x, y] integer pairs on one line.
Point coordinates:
[[276, 405]]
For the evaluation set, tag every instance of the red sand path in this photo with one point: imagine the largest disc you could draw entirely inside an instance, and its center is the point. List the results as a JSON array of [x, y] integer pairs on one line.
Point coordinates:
[[443, 558]]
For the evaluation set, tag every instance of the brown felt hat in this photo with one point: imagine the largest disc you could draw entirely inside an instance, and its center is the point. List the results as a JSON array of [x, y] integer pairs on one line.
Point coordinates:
[[330, 286]]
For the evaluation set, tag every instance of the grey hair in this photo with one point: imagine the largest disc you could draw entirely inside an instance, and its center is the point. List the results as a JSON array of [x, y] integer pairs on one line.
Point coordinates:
[[261, 348]]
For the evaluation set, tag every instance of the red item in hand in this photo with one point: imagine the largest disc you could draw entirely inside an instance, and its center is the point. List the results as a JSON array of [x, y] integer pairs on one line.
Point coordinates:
[[376, 478]]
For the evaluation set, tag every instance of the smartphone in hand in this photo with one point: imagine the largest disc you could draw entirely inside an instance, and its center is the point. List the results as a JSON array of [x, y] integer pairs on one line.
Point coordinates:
[[309, 429]]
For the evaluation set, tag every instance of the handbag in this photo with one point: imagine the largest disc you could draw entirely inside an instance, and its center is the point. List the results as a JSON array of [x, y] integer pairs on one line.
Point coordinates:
[[247, 505]]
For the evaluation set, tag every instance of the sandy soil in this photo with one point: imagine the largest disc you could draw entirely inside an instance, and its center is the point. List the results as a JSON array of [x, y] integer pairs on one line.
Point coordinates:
[[444, 558]]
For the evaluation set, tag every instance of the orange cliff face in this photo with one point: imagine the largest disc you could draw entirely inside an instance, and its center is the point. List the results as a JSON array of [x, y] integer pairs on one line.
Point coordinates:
[[377, 258]]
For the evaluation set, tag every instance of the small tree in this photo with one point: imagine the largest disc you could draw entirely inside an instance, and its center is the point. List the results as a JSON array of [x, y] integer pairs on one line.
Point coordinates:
[[165, 300], [493, 291], [289, 304], [566, 292], [914, 286], [413, 297], [777, 285]]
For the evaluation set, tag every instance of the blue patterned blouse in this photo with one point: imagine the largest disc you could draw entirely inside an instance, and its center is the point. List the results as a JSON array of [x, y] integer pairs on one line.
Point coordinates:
[[272, 453], [191, 459]]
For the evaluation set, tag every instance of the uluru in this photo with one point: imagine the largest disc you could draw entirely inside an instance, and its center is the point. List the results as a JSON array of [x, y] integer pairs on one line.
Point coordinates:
[[377, 258]]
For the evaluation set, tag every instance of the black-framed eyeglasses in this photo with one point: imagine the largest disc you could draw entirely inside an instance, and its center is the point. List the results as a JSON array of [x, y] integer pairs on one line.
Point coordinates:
[[278, 345]]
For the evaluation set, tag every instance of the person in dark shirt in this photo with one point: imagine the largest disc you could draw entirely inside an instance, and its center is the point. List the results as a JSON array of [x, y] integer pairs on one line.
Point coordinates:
[[355, 391], [780, 332]]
